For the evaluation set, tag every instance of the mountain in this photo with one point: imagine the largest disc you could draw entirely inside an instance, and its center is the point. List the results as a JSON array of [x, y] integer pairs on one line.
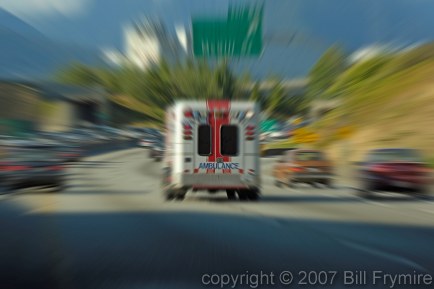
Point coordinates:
[[12, 23], [26, 53]]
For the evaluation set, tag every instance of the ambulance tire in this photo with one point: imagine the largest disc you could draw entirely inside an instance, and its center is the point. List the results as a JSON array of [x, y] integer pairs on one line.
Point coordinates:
[[169, 195], [253, 195], [231, 195], [180, 195], [243, 195]]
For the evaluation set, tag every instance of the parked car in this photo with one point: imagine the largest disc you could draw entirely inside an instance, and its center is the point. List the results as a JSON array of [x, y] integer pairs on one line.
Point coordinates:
[[148, 141], [69, 153], [115, 133], [89, 136], [303, 166], [27, 166], [142, 132], [399, 169], [157, 151]]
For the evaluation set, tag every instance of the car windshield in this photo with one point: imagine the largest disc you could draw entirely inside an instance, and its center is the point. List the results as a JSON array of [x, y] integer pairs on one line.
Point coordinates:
[[309, 156], [395, 155], [31, 154]]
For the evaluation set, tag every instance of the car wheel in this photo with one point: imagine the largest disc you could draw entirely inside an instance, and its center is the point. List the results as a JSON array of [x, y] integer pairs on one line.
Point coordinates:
[[367, 185], [422, 193], [277, 183], [329, 184], [291, 184], [315, 185], [4, 189], [60, 187], [231, 195], [365, 194]]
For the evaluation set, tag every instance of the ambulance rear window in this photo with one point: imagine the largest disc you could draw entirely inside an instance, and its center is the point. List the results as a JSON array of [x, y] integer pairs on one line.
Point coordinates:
[[204, 140], [229, 140]]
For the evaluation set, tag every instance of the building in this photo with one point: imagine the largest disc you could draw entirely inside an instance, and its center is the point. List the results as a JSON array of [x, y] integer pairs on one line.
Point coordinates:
[[147, 42], [28, 106]]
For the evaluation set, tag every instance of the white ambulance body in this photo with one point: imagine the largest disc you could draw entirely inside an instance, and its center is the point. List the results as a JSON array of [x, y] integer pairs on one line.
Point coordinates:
[[212, 145]]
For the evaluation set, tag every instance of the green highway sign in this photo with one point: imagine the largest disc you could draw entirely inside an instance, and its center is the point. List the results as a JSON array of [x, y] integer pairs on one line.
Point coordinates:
[[240, 34], [268, 125]]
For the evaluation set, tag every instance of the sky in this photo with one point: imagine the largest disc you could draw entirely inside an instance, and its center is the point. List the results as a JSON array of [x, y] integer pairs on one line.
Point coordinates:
[[353, 24], [100, 22]]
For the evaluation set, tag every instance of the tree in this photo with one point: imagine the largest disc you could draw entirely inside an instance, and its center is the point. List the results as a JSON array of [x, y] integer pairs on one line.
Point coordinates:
[[79, 74], [225, 80], [255, 94], [276, 97], [358, 76], [151, 91], [324, 73]]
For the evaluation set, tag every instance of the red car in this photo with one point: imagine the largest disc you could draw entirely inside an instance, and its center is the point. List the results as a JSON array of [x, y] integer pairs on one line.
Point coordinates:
[[398, 169]]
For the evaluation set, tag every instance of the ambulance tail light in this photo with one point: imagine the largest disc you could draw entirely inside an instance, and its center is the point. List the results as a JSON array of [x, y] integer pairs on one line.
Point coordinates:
[[188, 113], [250, 132], [187, 132]]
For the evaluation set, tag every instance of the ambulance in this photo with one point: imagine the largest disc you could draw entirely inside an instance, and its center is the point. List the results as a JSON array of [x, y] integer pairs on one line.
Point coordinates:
[[213, 146]]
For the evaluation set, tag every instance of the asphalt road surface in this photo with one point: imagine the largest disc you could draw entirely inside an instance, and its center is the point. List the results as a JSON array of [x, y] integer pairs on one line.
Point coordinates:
[[111, 228]]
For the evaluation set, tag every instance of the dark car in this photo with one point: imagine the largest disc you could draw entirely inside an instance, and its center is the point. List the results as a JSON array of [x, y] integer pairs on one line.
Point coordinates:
[[22, 167], [399, 169], [157, 151], [69, 153]]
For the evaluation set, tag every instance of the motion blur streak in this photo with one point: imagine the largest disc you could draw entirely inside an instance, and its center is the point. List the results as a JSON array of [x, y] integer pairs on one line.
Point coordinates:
[[313, 120]]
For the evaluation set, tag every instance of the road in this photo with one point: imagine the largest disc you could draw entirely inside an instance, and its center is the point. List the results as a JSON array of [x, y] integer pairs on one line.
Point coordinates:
[[111, 228]]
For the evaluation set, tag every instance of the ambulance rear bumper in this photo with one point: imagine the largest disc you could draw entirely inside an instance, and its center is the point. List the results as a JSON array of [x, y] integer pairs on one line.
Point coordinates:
[[218, 181]]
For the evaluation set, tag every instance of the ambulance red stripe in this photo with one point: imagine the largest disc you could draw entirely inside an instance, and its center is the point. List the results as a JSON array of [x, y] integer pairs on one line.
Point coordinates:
[[219, 106]]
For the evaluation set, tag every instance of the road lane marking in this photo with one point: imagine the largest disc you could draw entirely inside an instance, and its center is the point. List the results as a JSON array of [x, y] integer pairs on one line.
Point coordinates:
[[427, 211], [383, 254], [426, 202], [376, 203]]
